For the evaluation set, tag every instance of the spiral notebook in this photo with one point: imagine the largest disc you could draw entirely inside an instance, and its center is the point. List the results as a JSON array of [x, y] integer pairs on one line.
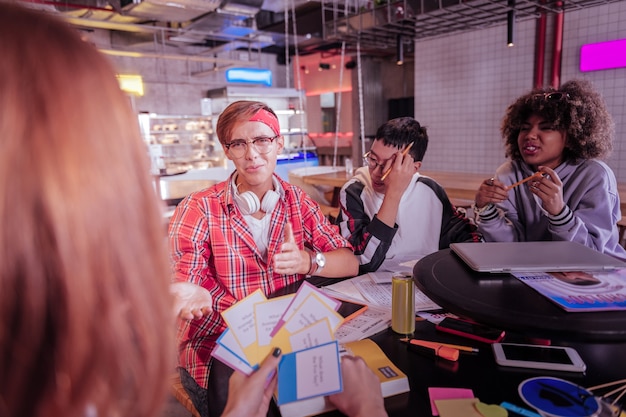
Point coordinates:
[[503, 257]]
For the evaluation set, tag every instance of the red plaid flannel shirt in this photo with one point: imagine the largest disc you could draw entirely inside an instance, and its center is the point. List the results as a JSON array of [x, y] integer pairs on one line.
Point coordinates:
[[211, 246]]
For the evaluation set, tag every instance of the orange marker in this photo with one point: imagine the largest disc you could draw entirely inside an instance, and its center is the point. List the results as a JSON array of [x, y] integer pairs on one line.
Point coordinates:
[[404, 152], [461, 348], [433, 349]]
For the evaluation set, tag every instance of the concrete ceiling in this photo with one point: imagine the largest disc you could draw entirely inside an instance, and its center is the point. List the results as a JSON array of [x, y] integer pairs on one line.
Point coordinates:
[[208, 30]]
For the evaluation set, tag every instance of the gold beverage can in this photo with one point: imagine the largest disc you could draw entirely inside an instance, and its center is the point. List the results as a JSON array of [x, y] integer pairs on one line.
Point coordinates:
[[402, 303]]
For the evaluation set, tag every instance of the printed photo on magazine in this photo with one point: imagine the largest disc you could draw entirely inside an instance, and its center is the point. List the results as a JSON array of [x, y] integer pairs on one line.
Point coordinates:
[[580, 290]]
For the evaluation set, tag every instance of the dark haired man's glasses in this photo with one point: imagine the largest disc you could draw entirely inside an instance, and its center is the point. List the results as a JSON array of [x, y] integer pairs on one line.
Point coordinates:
[[239, 147], [373, 162], [554, 96]]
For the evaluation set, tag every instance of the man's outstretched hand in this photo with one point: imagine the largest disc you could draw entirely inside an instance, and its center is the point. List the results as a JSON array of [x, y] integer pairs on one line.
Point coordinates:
[[191, 301]]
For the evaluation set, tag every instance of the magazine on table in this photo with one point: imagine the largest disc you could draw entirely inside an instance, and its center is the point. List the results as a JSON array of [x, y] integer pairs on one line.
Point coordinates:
[[580, 290], [365, 289]]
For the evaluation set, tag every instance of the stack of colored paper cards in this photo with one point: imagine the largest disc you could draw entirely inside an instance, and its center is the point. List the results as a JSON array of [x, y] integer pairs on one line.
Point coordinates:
[[302, 325]]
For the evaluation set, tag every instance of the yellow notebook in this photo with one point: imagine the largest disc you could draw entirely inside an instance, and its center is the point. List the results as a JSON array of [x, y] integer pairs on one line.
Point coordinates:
[[392, 380]]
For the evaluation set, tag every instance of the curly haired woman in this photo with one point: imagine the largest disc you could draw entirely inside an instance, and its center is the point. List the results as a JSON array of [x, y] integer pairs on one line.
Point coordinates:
[[558, 135]]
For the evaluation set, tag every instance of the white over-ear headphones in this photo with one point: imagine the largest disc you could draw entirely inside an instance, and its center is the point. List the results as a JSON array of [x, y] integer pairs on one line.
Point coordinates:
[[249, 203]]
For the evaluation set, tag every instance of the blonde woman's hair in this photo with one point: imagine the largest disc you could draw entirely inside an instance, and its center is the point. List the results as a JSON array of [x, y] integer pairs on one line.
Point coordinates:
[[85, 318]]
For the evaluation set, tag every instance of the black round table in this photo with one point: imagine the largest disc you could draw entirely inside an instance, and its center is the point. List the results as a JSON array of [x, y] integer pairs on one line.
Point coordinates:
[[502, 301], [490, 383]]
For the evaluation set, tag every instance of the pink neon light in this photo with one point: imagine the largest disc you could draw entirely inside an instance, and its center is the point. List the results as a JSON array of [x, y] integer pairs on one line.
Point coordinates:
[[603, 55]]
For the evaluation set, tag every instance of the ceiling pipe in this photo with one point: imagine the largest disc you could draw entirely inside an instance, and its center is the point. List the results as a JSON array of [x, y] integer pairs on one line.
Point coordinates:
[[510, 24], [540, 48], [557, 50], [68, 5], [399, 51], [189, 58]]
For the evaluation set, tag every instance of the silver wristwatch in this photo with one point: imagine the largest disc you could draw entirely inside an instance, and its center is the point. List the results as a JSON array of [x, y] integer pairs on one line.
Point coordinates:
[[318, 261]]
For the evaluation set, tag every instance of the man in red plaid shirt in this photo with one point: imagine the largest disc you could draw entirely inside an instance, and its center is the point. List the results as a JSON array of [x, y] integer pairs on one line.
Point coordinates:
[[252, 231]]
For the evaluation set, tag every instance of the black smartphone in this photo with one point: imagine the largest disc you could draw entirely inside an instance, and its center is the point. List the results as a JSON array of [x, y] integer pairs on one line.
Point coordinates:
[[470, 329], [350, 309]]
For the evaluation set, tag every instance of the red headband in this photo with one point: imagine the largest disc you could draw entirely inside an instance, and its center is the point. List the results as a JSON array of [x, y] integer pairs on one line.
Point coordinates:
[[268, 118]]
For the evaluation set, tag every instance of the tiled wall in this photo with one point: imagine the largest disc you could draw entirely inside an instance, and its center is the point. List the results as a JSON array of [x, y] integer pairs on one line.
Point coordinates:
[[597, 25], [463, 84]]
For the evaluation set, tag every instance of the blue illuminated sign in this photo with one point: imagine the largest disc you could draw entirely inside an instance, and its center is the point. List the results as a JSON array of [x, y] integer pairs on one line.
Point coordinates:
[[249, 75]]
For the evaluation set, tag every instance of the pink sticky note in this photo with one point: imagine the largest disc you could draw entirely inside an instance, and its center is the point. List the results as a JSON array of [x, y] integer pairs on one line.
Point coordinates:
[[436, 393]]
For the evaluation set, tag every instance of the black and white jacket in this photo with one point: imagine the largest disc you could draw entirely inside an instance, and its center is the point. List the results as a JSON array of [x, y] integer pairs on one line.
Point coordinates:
[[426, 222]]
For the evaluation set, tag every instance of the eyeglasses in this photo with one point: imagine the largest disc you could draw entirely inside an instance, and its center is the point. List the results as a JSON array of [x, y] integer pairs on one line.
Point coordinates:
[[554, 96], [372, 162], [261, 144]]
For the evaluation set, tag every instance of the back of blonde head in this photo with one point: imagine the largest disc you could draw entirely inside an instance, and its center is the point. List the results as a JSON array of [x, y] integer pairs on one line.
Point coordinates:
[[85, 322]]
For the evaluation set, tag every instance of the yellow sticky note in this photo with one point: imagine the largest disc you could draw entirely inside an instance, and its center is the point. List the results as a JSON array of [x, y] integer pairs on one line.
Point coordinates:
[[458, 407]]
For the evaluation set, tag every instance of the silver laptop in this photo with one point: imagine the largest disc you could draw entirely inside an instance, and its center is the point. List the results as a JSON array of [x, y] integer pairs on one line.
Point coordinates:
[[502, 257]]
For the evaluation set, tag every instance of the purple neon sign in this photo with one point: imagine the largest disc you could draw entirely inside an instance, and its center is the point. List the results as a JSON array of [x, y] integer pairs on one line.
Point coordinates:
[[603, 55]]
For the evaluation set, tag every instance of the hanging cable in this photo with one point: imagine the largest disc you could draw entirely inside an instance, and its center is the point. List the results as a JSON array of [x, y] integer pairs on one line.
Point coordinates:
[[338, 107], [360, 78], [286, 17], [301, 103], [300, 110]]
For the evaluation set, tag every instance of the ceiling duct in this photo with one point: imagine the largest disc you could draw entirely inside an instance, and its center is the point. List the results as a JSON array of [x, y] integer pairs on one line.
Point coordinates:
[[233, 19], [247, 8], [189, 29], [95, 10], [169, 10], [82, 4], [133, 10]]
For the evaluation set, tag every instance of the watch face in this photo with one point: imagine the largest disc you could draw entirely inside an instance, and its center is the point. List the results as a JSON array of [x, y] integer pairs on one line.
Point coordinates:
[[320, 259]]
